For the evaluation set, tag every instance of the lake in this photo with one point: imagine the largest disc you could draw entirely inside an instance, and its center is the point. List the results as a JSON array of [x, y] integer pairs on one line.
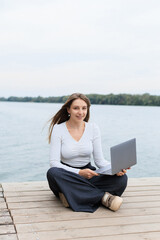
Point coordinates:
[[24, 150]]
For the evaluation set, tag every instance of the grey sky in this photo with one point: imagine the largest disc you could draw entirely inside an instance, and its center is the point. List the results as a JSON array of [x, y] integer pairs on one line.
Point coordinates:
[[56, 47]]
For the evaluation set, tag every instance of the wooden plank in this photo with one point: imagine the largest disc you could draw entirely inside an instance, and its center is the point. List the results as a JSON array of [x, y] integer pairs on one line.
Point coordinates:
[[3, 205], [137, 189], [140, 204], [142, 188], [25, 186], [31, 199], [37, 211], [141, 193], [52, 215], [8, 237], [6, 219], [99, 214], [150, 199], [28, 193], [1, 200], [7, 229], [139, 236], [25, 205], [48, 195], [128, 203], [4, 212], [84, 223], [144, 181], [91, 232], [132, 198]]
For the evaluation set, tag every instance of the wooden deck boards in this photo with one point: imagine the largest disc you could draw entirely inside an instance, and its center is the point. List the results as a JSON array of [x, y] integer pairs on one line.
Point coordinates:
[[37, 215], [7, 229]]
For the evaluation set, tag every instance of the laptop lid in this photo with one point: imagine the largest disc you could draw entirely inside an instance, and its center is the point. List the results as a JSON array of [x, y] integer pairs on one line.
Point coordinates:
[[123, 156]]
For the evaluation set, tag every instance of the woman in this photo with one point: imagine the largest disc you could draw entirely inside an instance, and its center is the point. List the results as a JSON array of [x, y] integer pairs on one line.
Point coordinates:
[[72, 177]]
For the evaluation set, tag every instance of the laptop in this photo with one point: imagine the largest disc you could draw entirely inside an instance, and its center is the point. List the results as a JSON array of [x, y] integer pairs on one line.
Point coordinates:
[[123, 156]]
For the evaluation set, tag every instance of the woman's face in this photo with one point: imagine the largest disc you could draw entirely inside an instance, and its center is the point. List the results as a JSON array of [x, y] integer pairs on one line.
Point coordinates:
[[78, 110]]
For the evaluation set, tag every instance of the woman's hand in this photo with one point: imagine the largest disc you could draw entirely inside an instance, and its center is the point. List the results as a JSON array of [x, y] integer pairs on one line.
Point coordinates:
[[122, 172], [87, 173]]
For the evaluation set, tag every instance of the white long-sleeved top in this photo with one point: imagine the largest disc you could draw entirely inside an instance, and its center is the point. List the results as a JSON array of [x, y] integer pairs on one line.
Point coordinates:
[[64, 148]]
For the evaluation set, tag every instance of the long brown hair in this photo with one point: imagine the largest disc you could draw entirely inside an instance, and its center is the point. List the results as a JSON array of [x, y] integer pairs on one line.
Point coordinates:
[[62, 115]]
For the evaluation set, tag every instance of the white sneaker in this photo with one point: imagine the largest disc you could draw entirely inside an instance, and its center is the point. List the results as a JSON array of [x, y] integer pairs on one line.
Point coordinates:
[[112, 202]]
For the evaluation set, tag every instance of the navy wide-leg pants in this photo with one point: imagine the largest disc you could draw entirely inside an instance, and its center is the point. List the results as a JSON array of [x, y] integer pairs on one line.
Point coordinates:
[[84, 195]]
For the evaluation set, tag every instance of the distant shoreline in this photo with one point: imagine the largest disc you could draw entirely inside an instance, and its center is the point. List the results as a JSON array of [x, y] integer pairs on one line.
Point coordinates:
[[109, 99]]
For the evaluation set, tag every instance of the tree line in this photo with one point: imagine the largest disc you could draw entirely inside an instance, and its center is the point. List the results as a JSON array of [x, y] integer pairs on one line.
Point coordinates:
[[110, 99]]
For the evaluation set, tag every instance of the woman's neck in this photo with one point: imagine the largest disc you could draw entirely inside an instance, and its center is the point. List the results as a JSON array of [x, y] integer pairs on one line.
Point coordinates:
[[75, 125]]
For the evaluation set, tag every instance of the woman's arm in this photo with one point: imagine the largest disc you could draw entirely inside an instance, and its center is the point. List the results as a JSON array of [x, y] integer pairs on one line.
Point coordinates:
[[97, 148]]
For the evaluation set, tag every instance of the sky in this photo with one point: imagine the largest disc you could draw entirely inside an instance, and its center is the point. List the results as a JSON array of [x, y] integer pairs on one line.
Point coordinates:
[[58, 47]]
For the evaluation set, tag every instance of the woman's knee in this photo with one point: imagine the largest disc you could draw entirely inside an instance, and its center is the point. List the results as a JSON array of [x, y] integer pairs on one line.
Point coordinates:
[[52, 172], [122, 180], [51, 176]]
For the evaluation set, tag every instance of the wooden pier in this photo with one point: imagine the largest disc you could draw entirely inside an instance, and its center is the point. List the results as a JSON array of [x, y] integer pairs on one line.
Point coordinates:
[[29, 211]]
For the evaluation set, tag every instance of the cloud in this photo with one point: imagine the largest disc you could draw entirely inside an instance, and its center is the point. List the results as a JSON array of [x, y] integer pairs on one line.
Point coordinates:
[[88, 77], [99, 46]]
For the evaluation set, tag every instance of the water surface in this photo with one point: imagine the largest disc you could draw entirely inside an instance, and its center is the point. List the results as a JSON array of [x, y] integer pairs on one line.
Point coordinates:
[[24, 150]]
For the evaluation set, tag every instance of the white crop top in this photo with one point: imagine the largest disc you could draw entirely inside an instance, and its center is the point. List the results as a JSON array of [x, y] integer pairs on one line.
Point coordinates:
[[64, 148]]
